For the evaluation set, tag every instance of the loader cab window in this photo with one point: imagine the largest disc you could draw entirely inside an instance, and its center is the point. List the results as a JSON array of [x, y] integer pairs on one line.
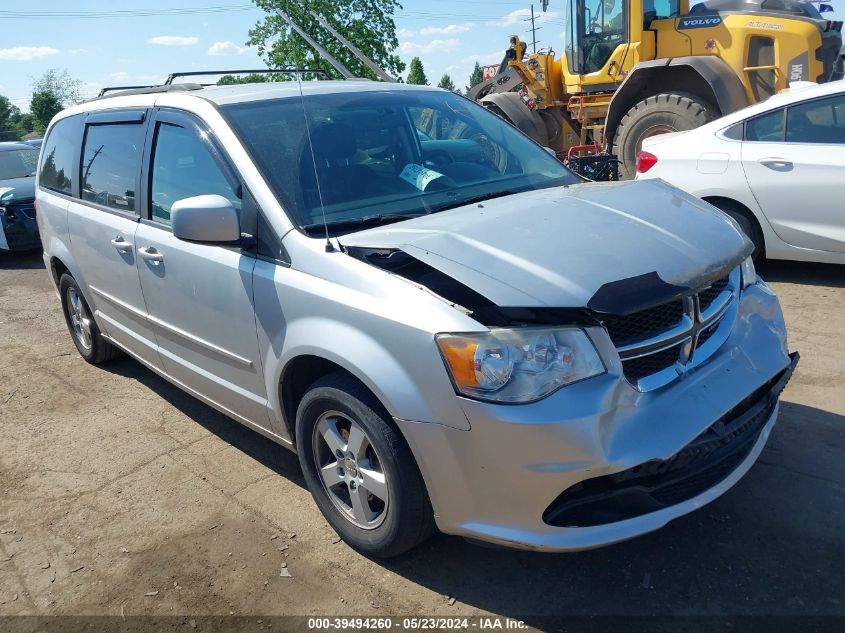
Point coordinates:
[[659, 10], [594, 29]]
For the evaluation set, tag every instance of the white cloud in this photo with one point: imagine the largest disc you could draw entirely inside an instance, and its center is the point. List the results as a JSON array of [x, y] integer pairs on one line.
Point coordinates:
[[219, 49], [120, 75], [451, 29], [76, 51], [434, 46], [27, 53], [173, 40], [518, 18], [400, 33]]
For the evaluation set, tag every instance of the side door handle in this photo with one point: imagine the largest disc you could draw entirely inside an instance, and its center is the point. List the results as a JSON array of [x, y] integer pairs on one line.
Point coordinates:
[[778, 164], [121, 244], [150, 254]]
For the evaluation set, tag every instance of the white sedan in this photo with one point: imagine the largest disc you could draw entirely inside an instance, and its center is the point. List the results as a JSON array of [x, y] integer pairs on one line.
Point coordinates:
[[777, 167]]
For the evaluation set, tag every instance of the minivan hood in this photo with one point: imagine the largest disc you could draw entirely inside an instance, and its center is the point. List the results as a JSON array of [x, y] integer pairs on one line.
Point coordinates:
[[557, 247]]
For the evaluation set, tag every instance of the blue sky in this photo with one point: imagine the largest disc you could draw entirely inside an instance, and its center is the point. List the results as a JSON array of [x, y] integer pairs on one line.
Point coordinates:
[[448, 35]]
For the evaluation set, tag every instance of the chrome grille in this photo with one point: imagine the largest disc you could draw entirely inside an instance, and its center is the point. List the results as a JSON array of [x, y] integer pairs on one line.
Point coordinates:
[[658, 344], [643, 324]]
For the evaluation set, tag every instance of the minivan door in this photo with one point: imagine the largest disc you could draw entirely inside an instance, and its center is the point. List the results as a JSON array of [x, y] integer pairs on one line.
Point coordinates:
[[199, 296], [102, 222], [794, 159]]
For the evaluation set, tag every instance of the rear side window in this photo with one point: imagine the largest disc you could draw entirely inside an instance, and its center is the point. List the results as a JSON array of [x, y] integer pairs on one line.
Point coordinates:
[[767, 128], [60, 156], [111, 162], [819, 121], [182, 167]]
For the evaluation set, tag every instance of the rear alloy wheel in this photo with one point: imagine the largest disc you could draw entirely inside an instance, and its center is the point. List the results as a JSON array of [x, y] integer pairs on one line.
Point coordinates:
[[659, 114], [360, 470], [81, 325]]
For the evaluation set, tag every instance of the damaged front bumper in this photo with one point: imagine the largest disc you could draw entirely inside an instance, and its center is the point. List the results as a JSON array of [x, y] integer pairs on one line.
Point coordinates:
[[599, 462]]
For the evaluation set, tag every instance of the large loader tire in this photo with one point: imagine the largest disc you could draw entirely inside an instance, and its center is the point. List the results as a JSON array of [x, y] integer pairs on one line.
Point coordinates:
[[659, 114]]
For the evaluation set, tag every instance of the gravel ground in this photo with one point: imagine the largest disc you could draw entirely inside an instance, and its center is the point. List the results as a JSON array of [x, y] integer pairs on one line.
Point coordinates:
[[119, 494]]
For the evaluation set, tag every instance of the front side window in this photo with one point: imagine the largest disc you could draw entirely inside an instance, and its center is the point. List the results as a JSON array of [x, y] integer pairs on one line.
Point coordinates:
[[60, 156], [18, 163], [111, 161], [819, 121], [767, 128], [387, 155], [605, 30], [182, 167]]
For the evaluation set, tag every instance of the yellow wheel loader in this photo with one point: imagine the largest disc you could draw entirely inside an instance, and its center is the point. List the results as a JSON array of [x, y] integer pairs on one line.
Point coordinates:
[[635, 68]]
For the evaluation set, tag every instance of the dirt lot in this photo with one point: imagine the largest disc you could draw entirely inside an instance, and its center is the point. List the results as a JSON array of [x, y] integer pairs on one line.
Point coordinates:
[[114, 485]]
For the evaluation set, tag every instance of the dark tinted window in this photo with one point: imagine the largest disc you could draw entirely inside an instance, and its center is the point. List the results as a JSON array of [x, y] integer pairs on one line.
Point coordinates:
[[111, 161], [18, 163], [60, 156], [766, 128], [183, 166], [820, 121], [734, 132]]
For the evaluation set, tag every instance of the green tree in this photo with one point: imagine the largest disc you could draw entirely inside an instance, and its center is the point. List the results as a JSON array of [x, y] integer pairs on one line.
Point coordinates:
[[44, 106], [254, 78], [446, 83], [368, 24], [416, 74], [59, 82], [476, 77], [8, 130]]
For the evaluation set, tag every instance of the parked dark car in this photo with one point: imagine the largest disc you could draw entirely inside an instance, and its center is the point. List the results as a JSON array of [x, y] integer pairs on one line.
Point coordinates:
[[18, 229]]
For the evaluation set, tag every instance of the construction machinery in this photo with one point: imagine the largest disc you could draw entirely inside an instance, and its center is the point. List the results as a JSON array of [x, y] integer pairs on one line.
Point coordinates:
[[636, 68]]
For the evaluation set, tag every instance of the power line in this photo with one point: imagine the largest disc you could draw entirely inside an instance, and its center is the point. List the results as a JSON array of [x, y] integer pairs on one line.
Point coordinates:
[[127, 13]]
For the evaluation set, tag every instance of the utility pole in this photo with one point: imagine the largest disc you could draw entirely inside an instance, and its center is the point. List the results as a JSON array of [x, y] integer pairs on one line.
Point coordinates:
[[534, 29]]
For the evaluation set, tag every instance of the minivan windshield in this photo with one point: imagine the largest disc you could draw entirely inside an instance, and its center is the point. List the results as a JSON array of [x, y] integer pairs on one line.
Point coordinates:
[[384, 156], [18, 163]]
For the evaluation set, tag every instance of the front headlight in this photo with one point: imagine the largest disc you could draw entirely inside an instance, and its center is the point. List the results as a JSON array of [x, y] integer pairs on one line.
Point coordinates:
[[749, 274], [518, 365]]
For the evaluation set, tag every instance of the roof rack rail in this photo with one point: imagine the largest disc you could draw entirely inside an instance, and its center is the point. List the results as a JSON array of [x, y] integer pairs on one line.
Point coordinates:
[[142, 90], [108, 89], [260, 71]]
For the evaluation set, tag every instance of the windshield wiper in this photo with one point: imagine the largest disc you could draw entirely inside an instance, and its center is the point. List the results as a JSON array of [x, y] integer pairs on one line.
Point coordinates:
[[367, 220]]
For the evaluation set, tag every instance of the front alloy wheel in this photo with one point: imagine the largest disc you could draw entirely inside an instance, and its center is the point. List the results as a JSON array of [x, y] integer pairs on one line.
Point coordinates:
[[350, 470], [80, 320], [359, 468]]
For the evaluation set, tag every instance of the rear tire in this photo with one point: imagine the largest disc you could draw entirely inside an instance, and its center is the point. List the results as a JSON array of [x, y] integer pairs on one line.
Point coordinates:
[[360, 470], [665, 112], [747, 222], [81, 324]]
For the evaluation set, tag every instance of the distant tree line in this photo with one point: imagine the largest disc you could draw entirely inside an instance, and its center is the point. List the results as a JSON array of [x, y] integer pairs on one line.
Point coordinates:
[[51, 93]]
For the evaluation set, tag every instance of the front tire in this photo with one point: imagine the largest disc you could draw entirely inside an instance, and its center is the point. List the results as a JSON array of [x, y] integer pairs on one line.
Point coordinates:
[[80, 323], [359, 469], [659, 114]]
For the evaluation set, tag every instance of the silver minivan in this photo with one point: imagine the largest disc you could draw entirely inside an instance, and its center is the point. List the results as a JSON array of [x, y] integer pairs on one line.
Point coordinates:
[[450, 328]]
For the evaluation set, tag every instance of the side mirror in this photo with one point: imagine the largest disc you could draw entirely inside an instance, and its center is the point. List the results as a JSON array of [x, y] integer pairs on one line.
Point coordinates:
[[208, 219], [825, 8]]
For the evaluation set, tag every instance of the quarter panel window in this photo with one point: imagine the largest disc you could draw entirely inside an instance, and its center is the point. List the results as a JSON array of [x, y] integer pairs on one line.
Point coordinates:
[[111, 161], [183, 167], [767, 128], [60, 156], [819, 121]]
